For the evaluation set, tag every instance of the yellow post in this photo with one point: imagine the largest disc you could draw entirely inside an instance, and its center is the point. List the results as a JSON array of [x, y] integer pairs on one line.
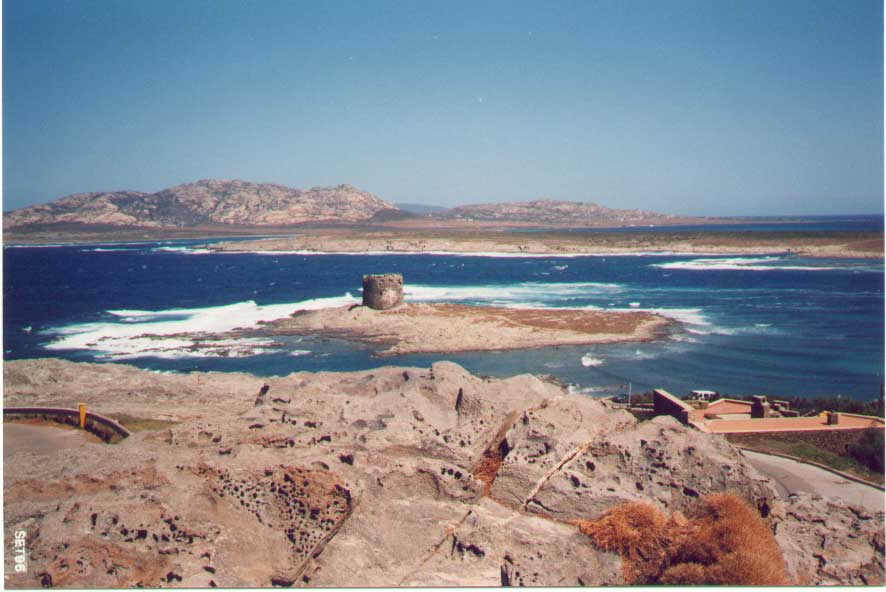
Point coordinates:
[[82, 416]]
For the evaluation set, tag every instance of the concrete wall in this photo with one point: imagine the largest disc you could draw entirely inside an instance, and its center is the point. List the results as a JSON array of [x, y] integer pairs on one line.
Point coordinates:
[[667, 404]]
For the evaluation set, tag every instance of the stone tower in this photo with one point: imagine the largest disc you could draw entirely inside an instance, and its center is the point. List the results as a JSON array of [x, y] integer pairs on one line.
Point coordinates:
[[382, 291]]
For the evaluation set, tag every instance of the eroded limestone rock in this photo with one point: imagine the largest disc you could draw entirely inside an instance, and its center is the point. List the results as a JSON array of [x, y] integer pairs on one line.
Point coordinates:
[[384, 477]]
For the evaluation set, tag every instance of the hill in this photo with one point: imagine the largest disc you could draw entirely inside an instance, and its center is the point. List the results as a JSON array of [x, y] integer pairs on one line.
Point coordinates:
[[420, 209], [207, 202], [547, 212]]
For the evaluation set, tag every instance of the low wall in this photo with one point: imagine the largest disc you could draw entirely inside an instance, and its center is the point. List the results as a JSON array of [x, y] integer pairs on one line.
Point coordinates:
[[665, 403], [105, 428], [836, 441]]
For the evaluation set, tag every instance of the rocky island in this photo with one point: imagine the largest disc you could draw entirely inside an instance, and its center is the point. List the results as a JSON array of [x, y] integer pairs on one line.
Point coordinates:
[[425, 328], [401, 328], [399, 477]]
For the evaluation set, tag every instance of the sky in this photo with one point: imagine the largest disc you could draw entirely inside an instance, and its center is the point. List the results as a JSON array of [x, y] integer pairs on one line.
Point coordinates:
[[710, 107]]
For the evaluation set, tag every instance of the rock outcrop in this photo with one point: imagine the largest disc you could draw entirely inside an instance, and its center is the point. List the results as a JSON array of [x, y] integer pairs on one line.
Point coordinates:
[[386, 477], [828, 543], [205, 203]]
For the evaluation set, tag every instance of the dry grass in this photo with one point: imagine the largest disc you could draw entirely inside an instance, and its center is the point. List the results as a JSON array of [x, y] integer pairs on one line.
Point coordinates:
[[723, 541], [486, 469]]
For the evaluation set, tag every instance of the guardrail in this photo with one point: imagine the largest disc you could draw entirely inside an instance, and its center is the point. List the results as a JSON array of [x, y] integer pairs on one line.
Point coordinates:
[[104, 427]]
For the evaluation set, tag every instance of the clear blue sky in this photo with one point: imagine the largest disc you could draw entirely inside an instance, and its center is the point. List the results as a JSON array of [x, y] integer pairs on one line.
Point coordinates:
[[710, 107]]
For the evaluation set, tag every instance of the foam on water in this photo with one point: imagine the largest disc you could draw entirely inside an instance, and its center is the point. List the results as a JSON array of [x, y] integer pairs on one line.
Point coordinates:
[[487, 254], [183, 250], [588, 360], [105, 250], [521, 295], [743, 264], [181, 332], [757, 329], [687, 316]]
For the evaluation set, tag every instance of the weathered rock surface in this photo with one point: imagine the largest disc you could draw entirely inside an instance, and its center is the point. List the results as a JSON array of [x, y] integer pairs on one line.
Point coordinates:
[[208, 202], [394, 476], [829, 543]]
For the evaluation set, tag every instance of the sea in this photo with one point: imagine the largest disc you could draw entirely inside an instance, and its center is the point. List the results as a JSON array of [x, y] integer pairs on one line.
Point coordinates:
[[773, 324]]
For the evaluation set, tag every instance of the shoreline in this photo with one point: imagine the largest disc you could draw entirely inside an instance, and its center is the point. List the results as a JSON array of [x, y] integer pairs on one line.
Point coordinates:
[[485, 240], [813, 245]]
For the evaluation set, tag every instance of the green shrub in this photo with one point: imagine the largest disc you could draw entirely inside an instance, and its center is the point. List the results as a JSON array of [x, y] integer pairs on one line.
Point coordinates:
[[869, 449]]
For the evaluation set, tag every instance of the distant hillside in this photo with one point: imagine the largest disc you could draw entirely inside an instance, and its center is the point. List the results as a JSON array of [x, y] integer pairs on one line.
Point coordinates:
[[208, 202], [551, 212], [420, 209]]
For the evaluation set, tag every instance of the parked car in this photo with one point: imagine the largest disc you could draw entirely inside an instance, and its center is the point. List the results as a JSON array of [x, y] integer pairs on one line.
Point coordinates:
[[703, 396]]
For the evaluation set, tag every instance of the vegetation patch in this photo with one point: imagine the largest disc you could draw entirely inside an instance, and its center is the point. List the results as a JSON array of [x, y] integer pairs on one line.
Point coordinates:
[[722, 541], [861, 460], [869, 450]]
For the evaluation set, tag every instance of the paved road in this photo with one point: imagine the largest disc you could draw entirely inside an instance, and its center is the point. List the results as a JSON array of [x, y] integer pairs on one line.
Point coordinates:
[[18, 437], [793, 477]]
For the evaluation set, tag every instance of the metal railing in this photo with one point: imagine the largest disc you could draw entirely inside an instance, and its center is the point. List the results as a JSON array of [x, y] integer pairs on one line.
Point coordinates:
[[104, 427]]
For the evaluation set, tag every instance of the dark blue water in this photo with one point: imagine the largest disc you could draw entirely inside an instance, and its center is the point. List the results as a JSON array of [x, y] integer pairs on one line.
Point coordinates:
[[750, 325], [861, 223]]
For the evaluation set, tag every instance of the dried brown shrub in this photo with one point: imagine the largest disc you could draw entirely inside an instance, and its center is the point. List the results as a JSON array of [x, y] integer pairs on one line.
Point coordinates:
[[486, 470], [636, 531], [723, 541], [732, 542]]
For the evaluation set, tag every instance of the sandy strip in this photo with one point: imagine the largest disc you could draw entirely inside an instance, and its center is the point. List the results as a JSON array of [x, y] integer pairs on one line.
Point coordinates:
[[447, 328], [822, 246]]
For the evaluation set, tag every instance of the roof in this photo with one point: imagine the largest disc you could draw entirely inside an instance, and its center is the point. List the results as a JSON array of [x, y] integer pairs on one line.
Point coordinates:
[[721, 406], [848, 421]]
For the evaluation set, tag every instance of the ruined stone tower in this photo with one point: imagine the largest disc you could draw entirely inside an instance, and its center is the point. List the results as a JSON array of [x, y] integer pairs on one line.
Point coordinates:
[[382, 291]]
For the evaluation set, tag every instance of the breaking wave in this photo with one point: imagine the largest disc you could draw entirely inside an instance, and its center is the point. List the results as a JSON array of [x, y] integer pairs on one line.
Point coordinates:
[[588, 360], [184, 332], [748, 264], [522, 295], [183, 250]]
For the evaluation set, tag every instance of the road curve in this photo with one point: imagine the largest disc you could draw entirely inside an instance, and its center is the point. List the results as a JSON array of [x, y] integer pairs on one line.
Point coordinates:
[[790, 476]]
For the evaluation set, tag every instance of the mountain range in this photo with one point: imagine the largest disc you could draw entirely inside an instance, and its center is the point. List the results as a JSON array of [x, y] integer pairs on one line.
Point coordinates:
[[207, 202], [234, 203]]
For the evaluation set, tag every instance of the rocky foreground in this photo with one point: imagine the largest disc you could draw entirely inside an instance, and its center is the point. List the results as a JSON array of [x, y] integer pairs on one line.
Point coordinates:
[[388, 477]]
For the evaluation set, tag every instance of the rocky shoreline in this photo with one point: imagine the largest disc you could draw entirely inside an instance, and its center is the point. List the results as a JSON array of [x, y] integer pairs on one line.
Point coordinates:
[[449, 328], [387, 477]]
